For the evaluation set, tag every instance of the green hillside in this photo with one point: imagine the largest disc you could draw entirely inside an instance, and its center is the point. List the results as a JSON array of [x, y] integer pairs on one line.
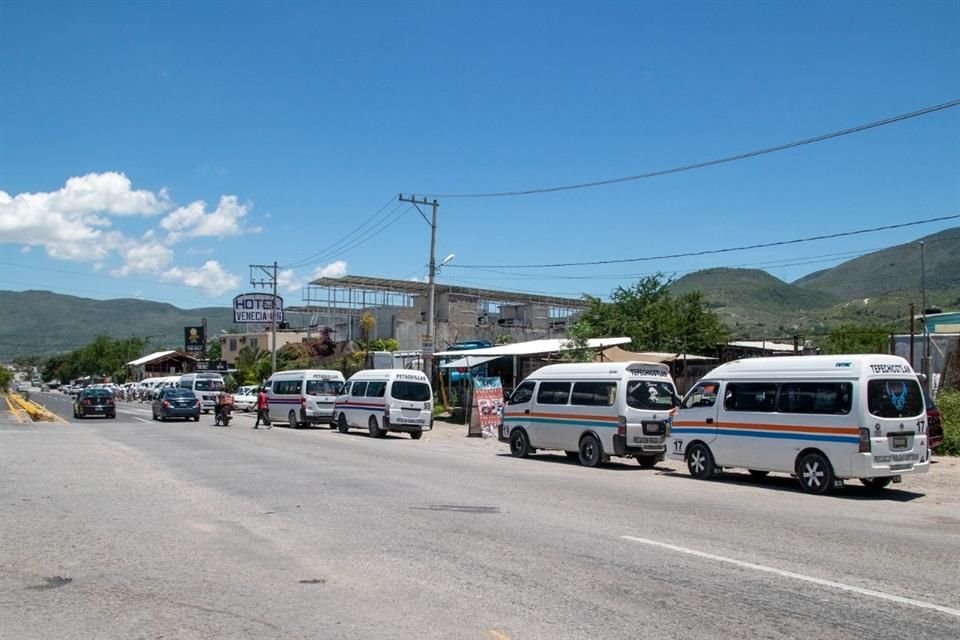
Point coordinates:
[[44, 323], [893, 269]]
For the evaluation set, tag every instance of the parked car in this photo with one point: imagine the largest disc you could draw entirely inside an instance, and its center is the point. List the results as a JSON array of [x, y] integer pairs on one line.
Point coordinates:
[[934, 423], [245, 399], [94, 402], [174, 402]]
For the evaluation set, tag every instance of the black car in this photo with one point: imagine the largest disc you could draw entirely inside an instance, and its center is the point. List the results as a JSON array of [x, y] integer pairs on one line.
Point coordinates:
[[934, 423], [174, 402], [94, 402]]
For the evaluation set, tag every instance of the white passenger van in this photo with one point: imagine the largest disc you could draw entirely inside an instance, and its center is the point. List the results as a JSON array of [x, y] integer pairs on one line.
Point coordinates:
[[303, 396], [592, 411], [205, 385], [824, 419], [383, 400]]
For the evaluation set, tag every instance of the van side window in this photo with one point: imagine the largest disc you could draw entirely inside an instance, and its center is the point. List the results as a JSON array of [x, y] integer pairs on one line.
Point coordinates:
[[523, 393], [553, 392], [359, 388], [703, 395], [815, 397], [594, 394], [346, 389], [375, 389], [287, 387], [651, 395], [750, 396]]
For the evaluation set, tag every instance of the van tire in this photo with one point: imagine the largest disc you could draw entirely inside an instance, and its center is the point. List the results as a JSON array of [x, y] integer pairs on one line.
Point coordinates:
[[416, 435], [591, 453], [647, 462], [519, 443], [700, 462], [374, 428], [292, 419], [342, 425], [815, 473], [876, 484]]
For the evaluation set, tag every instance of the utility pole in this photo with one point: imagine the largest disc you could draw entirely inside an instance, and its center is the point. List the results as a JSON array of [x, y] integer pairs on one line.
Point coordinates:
[[925, 362], [270, 271], [430, 340]]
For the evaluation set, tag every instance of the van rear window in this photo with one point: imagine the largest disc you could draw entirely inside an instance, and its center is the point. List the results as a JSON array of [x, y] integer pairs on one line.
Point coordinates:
[[413, 391], [650, 395], [323, 387], [894, 398], [208, 385]]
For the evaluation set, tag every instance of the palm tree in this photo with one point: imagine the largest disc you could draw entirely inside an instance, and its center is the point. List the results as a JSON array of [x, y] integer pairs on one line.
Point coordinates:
[[251, 364]]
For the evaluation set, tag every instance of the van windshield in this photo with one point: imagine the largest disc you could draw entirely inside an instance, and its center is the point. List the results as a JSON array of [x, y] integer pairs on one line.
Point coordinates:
[[323, 387], [894, 398], [652, 395], [414, 391]]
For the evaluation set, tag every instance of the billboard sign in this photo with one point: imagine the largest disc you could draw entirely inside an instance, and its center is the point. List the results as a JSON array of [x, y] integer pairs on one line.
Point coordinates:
[[257, 308], [193, 339]]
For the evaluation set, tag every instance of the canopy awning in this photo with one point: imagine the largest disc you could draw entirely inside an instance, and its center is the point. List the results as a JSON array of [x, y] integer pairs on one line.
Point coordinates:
[[533, 347], [468, 361]]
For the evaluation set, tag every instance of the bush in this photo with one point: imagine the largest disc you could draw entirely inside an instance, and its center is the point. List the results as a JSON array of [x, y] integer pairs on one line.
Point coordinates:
[[949, 404]]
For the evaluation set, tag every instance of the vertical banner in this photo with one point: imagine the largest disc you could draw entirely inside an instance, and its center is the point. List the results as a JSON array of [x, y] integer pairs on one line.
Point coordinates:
[[487, 409]]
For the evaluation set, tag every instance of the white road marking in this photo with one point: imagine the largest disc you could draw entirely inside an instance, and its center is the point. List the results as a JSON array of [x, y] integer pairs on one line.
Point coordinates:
[[142, 419], [799, 576]]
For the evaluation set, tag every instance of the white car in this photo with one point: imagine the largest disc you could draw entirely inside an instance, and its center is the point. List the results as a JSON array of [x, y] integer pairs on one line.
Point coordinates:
[[245, 399]]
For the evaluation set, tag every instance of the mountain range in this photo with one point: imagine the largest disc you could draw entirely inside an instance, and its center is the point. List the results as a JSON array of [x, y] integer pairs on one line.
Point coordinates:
[[875, 289]]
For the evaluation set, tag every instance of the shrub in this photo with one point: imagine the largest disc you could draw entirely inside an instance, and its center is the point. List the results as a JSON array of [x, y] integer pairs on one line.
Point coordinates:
[[949, 404]]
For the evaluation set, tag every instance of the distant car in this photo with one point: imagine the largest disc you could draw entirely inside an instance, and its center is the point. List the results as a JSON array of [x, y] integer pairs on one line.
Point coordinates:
[[174, 402], [245, 399], [94, 402], [934, 423]]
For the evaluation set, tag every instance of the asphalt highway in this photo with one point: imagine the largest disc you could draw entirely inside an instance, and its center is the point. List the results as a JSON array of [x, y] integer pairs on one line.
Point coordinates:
[[131, 528]]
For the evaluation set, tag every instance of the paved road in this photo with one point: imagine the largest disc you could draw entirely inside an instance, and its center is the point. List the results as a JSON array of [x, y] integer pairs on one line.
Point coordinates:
[[185, 530]]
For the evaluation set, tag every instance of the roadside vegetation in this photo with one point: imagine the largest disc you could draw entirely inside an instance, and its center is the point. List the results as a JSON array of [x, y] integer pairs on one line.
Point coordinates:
[[949, 404]]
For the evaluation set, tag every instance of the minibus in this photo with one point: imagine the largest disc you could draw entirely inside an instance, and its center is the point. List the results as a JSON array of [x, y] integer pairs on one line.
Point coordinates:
[[206, 386], [592, 411], [382, 400], [303, 396], [822, 419]]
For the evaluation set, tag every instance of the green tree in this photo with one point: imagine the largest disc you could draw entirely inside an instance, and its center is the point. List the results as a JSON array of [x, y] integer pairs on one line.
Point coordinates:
[[253, 364], [577, 347], [215, 352], [6, 377], [852, 338], [368, 324], [384, 344]]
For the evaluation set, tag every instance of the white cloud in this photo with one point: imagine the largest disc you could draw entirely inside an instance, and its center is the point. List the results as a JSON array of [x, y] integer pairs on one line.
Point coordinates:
[[211, 278], [144, 258], [25, 248], [193, 221], [336, 269], [69, 223], [288, 280]]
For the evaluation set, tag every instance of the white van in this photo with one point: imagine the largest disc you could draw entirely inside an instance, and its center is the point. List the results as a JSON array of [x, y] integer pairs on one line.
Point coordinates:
[[205, 386], [592, 411], [303, 396], [383, 400], [824, 419]]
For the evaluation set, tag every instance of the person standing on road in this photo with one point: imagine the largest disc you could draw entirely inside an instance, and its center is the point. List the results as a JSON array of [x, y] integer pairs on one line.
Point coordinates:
[[262, 408]]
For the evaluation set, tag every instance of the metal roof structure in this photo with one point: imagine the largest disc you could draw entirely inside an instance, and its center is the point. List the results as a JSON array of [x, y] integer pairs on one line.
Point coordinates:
[[416, 288], [158, 355], [533, 347]]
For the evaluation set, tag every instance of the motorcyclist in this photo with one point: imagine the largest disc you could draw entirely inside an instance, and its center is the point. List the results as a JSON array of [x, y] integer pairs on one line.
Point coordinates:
[[223, 406]]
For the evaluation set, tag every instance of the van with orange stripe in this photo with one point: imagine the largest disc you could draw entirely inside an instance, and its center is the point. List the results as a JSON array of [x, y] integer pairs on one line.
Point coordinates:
[[592, 411], [823, 419]]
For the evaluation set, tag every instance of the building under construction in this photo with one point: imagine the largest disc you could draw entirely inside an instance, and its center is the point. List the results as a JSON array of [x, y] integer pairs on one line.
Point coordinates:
[[401, 309]]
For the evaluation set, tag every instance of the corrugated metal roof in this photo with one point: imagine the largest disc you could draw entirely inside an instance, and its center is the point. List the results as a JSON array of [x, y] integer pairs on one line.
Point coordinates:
[[150, 358], [533, 347], [764, 345]]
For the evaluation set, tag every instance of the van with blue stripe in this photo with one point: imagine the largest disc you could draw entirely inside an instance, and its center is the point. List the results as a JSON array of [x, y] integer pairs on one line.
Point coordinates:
[[592, 411], [823, 419]]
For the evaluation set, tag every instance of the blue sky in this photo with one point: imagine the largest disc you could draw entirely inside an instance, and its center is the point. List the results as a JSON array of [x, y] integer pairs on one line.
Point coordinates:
[[157, 149]]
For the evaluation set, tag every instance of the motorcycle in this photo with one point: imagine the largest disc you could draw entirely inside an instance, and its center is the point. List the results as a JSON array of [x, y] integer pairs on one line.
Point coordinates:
[[221, 415]]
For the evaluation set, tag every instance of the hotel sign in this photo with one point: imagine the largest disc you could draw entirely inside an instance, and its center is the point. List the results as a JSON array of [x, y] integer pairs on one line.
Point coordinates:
[[257, 308]]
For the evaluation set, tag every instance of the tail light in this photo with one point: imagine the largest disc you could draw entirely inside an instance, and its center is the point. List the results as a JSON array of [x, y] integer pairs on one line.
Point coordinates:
[[303, 402], [109, 401], [622, 426], [86, 402], [166, 403], [864, 440], [196, 402]]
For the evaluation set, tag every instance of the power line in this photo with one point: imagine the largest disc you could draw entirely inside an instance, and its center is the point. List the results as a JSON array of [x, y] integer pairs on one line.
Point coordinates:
[[709, 163], [706, 252], [344, 238]]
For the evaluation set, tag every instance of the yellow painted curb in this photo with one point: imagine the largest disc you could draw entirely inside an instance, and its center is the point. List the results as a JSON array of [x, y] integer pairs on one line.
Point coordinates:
[[35, 411], [14, 409]]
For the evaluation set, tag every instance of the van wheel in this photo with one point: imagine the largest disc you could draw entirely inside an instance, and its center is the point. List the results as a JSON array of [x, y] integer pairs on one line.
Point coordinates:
[[342, 425], [757, 474], [292, 420], [416, 435], [700, 461], [647, 462], [519, 443], [375, 430], [876, 484], [814, 473], [591, 453]]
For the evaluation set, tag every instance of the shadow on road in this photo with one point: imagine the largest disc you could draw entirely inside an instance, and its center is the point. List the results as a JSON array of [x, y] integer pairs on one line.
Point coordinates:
[[617, 464]]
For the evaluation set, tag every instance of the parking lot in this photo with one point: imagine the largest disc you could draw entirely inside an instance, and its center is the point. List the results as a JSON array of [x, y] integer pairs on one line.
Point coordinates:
[[133, 528]]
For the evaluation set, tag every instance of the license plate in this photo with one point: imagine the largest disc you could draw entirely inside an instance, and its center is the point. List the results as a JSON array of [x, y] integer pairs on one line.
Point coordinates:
[[899, 442], [654, 428], [409, 421], [648, 439]]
